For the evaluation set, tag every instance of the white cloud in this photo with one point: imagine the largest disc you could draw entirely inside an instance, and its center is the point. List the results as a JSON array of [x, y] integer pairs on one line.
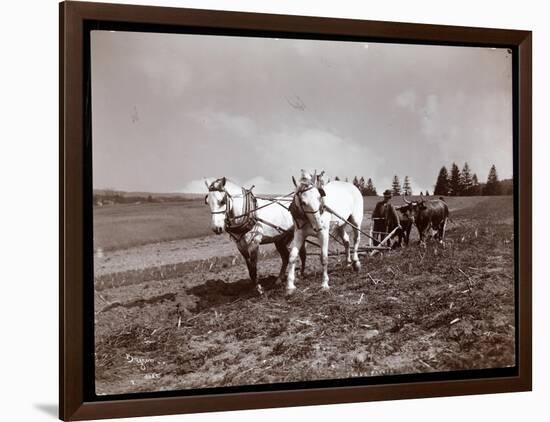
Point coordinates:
[[241, 126], [260, 183], [285, 152], [264, 186], [407, 100], [194, 186]]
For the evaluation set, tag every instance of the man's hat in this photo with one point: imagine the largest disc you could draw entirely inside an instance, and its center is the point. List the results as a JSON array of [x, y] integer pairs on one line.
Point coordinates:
[[387, 193]]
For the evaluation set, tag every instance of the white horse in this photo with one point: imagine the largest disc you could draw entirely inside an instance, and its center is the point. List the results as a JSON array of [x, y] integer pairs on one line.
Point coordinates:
[[309, 210], [251, 222]]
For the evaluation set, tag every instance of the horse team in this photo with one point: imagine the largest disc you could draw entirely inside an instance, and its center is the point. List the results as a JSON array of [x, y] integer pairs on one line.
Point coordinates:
[[315, 209]]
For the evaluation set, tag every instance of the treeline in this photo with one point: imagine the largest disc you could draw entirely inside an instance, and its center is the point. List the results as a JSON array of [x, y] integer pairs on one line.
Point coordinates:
[[366, 187], [398, 189], [454, 183], [466, 183], [110, 197]]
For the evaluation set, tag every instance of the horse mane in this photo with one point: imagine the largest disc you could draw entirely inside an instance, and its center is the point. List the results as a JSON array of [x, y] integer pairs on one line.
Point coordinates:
[[229, 186], [305, 177], [306, 180]]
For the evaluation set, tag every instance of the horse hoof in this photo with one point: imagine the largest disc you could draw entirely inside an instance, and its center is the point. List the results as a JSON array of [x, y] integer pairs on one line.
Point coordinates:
[[290, 292], [356, 266], [259, 289], [325, 287]]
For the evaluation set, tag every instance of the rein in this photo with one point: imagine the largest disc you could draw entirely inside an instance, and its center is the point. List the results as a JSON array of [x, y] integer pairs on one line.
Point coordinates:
[[299, 213], [238, 225]]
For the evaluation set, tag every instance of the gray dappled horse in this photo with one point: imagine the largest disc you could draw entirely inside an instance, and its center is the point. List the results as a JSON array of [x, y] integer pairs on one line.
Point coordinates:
[[317, 206], [251, 222]]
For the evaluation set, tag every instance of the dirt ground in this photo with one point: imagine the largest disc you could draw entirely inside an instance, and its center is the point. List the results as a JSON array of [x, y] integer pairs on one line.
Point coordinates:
[[181, 313]]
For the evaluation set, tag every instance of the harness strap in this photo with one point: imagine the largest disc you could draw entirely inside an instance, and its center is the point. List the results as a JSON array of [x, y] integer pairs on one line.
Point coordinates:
[[247, 216], [297, 198], [280, 229]]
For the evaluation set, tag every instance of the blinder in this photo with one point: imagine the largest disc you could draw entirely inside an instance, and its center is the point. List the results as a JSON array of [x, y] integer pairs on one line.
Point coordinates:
[[214, 187], [235, 225], [321, 206], [222, 202]]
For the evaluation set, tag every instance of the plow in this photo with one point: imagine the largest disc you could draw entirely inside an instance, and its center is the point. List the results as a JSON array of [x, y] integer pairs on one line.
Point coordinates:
[[374, 245]]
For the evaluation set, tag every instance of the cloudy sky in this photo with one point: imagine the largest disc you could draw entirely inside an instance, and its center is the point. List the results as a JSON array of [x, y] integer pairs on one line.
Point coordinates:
[[169, 110]]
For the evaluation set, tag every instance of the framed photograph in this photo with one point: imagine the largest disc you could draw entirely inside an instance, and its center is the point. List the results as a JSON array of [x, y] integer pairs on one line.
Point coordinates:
[[266, 210]]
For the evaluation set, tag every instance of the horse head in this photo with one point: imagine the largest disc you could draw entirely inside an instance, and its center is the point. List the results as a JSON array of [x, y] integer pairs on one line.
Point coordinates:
[[308, 197], [218, 201]]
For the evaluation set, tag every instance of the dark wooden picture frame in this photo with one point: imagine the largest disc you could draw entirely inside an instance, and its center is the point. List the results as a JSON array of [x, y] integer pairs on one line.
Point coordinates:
[[75, 266]]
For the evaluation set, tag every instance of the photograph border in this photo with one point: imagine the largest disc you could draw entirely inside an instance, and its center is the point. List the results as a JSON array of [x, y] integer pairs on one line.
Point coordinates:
[[76, 266]]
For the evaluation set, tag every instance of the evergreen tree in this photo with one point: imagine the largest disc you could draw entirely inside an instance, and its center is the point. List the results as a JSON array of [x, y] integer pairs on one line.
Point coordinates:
[[407, 186], [356, 182], [455, 181], [427, 193], [466, 180], [362, 185], [442, 183], [370, 190], [346, 179], [336, 178], [396, 186], [493, 185], [475, 190]]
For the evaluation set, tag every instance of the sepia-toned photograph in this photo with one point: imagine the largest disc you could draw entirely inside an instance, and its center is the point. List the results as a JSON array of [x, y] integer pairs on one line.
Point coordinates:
[[279, 210]]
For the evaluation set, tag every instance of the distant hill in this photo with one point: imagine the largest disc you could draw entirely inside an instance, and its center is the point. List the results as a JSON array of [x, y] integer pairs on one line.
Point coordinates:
[[111, 196]]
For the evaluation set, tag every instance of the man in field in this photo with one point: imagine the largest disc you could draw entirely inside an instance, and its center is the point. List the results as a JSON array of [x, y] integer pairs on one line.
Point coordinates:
[[385, 218]]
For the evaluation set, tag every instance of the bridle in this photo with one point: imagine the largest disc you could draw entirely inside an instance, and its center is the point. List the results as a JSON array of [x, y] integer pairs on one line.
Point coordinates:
[[299, 212], [225, 200], [301, 204], [235, 225]]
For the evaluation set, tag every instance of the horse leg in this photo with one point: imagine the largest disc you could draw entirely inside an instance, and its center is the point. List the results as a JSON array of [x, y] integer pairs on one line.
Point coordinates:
[[302, 253], [249, 252], [282, 248], [297, 244], [253, 249], [323, 238], [345, 240], [356, 239], [303, 256]]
